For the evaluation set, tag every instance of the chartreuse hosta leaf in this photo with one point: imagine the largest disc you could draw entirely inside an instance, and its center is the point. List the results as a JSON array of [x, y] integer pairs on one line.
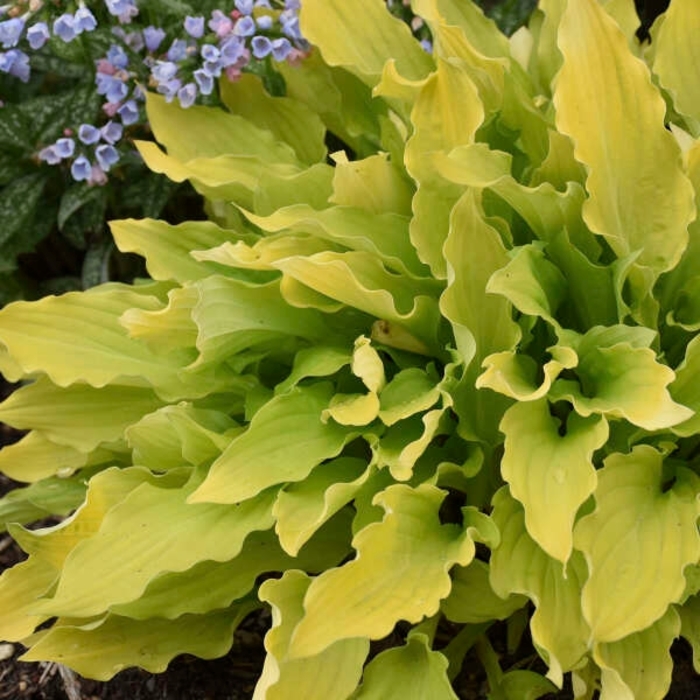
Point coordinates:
[[103, 648], [153, 530], [55, 495], [640, 200], [413, 671], [361, 36], [261, 456], [79, 416], [290, 121], [301, 508], [482, 324], [638, 667], [519, 565], [35, 457], [637, 542], [167, 248], [551, 474], [212, 585], [620, 378], [675, 51], [396, 574], [690, 626], [180, 434], [22, 586], [334, 672], [472, 600], [686, 390]]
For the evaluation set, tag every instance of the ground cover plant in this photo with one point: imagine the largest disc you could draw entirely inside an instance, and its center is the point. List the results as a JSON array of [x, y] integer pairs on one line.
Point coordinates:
[[72, 77], [441, 376]]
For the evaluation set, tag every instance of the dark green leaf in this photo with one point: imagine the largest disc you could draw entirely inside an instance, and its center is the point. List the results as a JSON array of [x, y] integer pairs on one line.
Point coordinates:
[[148, 194], [96, 263], [87, 219], [23, 223], [14, 129], [76, 197]]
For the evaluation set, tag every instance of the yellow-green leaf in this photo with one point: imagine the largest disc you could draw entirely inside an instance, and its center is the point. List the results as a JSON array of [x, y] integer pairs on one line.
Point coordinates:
[[473, 601], [411, 672], [400, 571], [519, 565], [285, 440], [79, 416], [102, 649], [301, 508], [550, 473], [333, 672], [640, 200], [361, 35], [637, 542], [677, 59], [291, 122], [152, 531], [167, 248], [639, 667]]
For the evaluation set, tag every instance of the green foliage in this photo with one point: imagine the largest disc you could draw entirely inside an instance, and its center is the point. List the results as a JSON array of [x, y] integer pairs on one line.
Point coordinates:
[[442, 376]]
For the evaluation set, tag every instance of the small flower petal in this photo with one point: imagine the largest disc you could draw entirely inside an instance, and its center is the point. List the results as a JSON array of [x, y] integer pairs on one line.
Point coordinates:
[[194, 26], [81, 169]]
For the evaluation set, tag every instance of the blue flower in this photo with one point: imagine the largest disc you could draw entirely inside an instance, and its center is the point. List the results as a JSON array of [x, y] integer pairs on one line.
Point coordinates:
[[88, 134], [81, 169], [292, 4], [220, 24], [264, 22], [38, 35], [177, 50], [49, 155], [16, 63], [153, 37], [134, 40], [64, 27], [263, 3], [281, 48], [194, 26], [112, 132], [209, 52], [245, 7], [205, 81], [261, 46], [129, 112], [163, 71], [245, 26], [84, 20], [117, 56], [231, 50], [187, 94], [106, 155], [65, 148], [121, 7], [11, 31], [290, 24], [112, 88], [169, 89]]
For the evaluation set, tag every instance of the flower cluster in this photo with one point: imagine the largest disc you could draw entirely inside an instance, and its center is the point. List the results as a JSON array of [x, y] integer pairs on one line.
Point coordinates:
[[253, 30], [104, 154], [180, 63], [66, 26]]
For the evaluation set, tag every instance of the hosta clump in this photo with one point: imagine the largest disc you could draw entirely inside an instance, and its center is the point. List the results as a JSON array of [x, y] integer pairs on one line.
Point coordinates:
[[474, 323]]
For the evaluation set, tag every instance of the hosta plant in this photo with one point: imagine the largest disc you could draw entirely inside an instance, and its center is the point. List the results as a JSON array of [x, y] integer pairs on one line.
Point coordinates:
[[444, 375]]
